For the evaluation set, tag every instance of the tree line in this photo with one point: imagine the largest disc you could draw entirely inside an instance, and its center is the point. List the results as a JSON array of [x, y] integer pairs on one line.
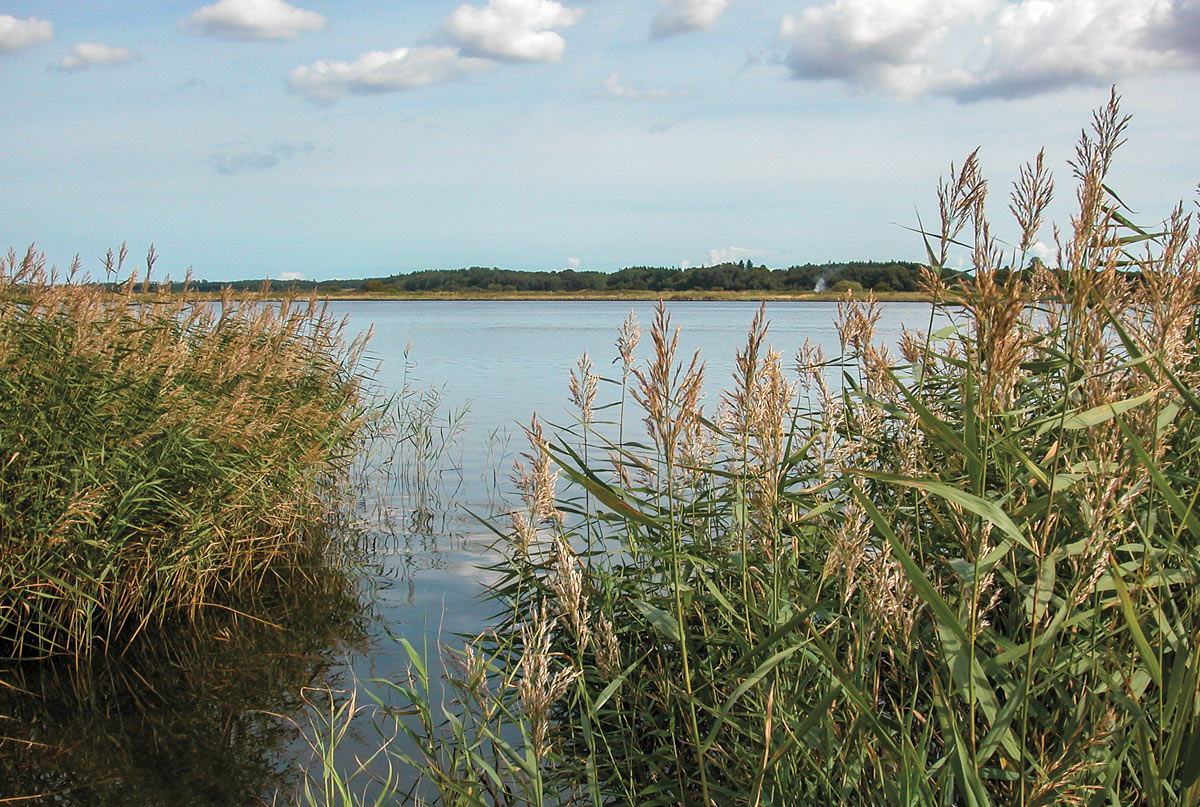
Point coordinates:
[[881, 276]]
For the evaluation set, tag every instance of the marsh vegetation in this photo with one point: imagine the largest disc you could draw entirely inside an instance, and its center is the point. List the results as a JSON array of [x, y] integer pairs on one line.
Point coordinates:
[[176, 533], [960, 572], [159, 457], [958, 569]]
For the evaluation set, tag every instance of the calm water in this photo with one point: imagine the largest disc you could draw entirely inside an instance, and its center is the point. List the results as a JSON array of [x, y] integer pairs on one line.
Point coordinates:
[[505, 360], [199, 724]]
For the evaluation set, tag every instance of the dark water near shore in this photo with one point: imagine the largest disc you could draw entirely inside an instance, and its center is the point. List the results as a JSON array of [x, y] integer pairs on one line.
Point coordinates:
[[208, 719]]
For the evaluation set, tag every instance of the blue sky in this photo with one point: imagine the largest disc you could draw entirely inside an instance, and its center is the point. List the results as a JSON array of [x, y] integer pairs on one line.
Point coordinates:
[[251, 138]]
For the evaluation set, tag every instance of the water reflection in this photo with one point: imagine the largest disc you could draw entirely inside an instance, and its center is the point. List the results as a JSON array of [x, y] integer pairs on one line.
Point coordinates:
[[189, 717]]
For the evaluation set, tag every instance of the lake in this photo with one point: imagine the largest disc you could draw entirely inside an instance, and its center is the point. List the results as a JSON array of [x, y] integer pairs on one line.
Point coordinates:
[[209, 722]]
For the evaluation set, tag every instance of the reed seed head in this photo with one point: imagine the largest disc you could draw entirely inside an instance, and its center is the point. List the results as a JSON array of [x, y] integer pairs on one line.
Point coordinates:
[[628, 336], [583, 388]]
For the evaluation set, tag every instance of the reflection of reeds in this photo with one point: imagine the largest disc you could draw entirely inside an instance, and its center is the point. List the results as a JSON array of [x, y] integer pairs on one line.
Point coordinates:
[[184, 715], [411, 476], [426, 439], [966, 577], [158, 455]]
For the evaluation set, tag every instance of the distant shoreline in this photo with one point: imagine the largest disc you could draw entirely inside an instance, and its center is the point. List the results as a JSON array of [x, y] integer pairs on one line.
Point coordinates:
[[626, 296]]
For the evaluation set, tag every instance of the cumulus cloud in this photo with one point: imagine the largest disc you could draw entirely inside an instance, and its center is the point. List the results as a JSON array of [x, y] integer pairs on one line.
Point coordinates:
[[291, 275], [878, 44], [93, 54], [238, 158], [471, 40], [976, 49], [572, 263], [1182, 31], [682, 16], [380, 71], [1036, 45], [512, 30], [254, 19], [1044, 252], [732, 254], [19, 34], [613, 88]]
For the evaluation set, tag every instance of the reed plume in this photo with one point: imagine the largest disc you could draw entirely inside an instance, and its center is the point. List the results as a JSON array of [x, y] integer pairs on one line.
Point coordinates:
[[159, 454]]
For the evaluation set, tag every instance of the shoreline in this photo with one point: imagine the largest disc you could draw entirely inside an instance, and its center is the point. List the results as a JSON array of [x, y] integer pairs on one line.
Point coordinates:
[[631, 296]]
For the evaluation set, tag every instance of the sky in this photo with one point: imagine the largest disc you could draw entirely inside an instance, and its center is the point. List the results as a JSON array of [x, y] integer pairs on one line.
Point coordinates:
[[322, 139]]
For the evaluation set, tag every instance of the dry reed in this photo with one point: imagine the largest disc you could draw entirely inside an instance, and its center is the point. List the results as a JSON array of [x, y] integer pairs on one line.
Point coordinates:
[[159, 454]]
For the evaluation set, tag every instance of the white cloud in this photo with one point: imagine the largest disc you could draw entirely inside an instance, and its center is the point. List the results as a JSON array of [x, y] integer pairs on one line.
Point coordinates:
[[93, 54], [878, 44], [254, 19], [975, 49], [291, 276], [572, 263], [237, 158], [1037, 45], [383, 71], [478, 38], [18, 34], [682, 16], [1043, 252], [512, 30], [237, 162], [732, 254], [613, 88], [665, 126]]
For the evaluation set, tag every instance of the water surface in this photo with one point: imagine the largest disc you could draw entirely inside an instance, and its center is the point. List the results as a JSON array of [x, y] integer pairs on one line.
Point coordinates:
[[208, 721]]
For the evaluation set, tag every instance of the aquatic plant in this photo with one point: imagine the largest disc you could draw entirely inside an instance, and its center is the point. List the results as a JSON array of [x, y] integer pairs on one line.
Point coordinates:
[[961, 573], [159, 456]]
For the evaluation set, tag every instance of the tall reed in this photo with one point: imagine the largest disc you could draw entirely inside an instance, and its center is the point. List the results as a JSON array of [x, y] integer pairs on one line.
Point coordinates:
[[159, 455], [964, 573]]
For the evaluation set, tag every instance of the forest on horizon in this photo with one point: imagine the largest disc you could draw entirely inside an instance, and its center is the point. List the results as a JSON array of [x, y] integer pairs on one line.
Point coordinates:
[[880, 276]]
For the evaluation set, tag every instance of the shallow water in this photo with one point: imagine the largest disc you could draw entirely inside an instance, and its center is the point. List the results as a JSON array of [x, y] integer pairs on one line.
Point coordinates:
[[208, 721]]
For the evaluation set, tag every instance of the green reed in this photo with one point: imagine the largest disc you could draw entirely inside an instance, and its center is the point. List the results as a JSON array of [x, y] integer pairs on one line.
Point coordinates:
[[960, 574], [159, 456]]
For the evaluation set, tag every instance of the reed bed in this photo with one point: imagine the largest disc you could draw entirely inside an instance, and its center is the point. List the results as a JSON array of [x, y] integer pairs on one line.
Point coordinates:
[[160, 456], [962, 572]]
